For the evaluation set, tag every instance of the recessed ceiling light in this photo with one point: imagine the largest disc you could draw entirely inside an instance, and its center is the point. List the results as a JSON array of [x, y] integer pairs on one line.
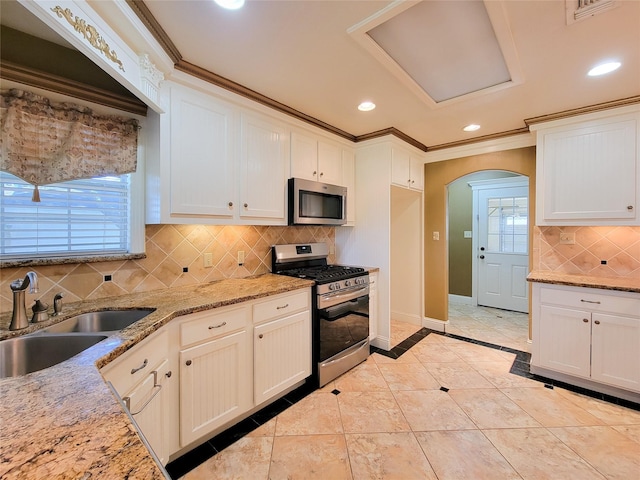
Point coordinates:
[[604, 68], [230, 4], [471, 128], [366, 106]]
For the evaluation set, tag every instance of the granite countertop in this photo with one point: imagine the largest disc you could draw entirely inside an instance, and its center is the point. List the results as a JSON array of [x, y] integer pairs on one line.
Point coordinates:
[[64, 421], [623, 284]]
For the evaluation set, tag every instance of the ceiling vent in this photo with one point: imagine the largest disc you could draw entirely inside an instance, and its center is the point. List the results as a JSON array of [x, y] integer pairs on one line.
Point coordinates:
[[582, 9], [443, 52]]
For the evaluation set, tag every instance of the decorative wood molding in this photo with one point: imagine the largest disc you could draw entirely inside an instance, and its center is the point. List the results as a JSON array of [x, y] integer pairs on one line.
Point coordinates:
[[90, 34], [395, 132], [54, 83], [583, 110], [243, 91], [146, 17], [483, 138]]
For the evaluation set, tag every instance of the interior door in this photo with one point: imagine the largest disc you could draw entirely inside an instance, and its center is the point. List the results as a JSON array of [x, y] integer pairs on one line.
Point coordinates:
[[503, 243]]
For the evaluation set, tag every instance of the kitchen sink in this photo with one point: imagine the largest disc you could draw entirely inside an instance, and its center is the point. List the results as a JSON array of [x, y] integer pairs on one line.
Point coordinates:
[[103, 321], [30, 353]]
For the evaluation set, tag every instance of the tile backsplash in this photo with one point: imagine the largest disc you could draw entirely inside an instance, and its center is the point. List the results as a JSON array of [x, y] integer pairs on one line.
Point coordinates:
[[174, 258], [597, 251]]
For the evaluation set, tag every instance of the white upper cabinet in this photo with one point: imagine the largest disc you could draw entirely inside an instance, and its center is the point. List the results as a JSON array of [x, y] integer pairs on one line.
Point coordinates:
[[210, 161], [264, 168], [316, 159], [202, 176], [406, 170], [588, 170]]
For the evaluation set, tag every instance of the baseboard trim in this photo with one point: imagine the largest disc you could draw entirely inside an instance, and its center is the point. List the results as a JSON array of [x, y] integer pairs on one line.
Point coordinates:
[[434, 324]]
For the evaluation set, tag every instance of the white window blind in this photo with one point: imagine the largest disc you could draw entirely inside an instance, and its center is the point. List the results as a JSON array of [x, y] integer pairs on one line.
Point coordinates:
[[74, 218]]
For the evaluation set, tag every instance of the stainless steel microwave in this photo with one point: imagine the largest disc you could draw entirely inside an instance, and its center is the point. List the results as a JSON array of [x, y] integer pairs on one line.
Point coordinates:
[[316, 203]]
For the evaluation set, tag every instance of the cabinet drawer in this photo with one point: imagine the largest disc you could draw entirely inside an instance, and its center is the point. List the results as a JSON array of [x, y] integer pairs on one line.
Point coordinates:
[[211, 324], [587, 299], [133, 366], [281, 306]]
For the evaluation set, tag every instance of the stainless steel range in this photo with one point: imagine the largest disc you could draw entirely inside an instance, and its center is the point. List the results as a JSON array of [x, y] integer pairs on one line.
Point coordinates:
[[340, 307]]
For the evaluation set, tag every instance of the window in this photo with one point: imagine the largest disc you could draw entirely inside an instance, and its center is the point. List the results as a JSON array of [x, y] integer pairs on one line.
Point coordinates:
[[76, 218], [507, 227]]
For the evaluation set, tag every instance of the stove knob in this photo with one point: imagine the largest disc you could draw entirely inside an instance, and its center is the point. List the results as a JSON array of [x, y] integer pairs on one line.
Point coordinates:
[[347, 283]]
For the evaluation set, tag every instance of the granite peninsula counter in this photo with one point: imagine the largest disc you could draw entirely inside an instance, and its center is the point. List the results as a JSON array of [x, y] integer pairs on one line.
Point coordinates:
[[622, 284], [64, 422]]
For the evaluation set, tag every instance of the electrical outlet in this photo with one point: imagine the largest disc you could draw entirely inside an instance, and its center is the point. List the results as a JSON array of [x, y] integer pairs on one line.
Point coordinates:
[[436, 235], [240, 257], [568, 238], [208, 260]]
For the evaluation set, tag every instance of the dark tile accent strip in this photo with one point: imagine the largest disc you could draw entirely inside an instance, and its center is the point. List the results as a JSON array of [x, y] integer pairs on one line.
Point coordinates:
[[519, 367]]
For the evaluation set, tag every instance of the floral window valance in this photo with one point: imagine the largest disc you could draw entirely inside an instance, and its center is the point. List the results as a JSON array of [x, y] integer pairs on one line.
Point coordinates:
[[45, 142]]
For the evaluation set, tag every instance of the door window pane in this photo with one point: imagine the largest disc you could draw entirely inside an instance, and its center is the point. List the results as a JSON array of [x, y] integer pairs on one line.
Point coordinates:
[[507, 225]]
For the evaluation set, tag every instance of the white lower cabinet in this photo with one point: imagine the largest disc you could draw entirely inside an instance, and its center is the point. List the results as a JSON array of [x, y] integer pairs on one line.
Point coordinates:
[[215, 376], [143, 378], [201, 372], [281, 342], [587, 334], [373, 305], [282, 355]]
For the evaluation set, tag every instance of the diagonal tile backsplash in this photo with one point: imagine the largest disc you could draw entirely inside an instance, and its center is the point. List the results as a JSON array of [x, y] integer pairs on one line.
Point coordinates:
[[597, 251], [174, 258]]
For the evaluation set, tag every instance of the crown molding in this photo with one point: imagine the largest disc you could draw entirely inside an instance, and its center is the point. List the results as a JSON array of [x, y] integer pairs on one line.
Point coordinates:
[[243, 91], [57, 84], [396, 133], [149, 21], [583, 110]]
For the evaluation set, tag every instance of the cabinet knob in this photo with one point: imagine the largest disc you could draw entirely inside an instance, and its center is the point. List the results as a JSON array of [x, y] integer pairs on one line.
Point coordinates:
[[260, 336], [246, 205], [168, 374], [321, 174], [481, 257], [314, 172], [597, 322], [188, 362], [585, 320], [231, 204], [629, 207]]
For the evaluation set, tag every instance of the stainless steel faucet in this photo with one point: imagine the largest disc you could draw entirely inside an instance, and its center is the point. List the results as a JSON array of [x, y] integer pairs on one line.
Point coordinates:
[[19, 318], [57, 304]]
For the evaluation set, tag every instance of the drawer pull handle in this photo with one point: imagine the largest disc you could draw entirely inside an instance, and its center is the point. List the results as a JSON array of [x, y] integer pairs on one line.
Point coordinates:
[[217, 326], [590, 301], [597, 322], [157, 387], [283, 306], [144, 364]]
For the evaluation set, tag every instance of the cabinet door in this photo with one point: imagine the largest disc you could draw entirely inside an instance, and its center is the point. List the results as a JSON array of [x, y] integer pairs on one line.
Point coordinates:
[[400, 167], [615, 347], [304, 156], [282, 354], [329, 163], [416, 174], [565, 340], [148, 406], [264, 169], [589, 173], [202, 139], [215, 385]]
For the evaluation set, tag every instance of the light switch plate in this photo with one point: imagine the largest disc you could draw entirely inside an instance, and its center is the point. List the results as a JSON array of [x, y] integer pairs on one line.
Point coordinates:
[[468, 234]]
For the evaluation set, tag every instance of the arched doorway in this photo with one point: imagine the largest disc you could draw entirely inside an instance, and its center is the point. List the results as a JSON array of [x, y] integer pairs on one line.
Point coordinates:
[[438, 175]]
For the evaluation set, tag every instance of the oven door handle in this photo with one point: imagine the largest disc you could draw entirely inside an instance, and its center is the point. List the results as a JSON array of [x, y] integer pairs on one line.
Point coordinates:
[[331, 299]]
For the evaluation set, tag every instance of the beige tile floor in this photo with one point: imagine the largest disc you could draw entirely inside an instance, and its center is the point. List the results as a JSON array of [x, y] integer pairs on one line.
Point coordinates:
[[491, 325], [392, 420]]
